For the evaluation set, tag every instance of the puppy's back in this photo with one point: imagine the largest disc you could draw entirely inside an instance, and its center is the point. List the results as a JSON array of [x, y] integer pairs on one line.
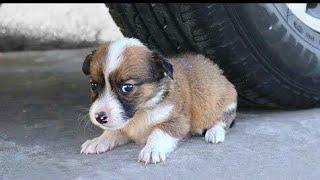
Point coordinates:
[[210, 91]]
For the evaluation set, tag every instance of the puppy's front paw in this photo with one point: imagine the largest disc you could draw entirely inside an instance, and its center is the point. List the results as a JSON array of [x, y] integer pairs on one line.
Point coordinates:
[[97, 145], [215, 134], [159, 144], [155, 155], [103, 143]]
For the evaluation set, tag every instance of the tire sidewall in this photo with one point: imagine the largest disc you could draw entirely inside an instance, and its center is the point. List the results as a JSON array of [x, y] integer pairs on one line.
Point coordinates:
[[281, 43]]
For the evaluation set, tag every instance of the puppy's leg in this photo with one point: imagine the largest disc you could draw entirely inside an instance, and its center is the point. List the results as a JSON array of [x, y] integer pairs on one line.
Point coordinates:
[[217, 133], [107, 141], [163, 140]]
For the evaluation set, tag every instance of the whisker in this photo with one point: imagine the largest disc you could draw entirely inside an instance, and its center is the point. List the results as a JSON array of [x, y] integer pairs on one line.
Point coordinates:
[[84, 124]]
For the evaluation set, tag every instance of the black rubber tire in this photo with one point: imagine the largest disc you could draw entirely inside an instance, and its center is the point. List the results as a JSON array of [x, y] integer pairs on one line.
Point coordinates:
[[262, 48]]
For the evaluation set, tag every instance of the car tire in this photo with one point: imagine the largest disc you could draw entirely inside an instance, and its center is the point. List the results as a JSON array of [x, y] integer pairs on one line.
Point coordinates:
[[269, 54]]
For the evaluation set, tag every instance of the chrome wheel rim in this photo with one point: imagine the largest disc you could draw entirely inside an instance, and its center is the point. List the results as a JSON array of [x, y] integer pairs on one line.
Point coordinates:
[[308, 13]]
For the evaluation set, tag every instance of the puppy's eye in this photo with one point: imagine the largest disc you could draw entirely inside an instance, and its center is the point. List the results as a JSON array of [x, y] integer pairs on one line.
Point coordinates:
[[94, 85], [126, 88]]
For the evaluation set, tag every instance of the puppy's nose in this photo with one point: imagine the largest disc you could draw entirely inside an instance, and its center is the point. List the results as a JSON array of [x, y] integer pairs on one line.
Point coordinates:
[[101, 117]]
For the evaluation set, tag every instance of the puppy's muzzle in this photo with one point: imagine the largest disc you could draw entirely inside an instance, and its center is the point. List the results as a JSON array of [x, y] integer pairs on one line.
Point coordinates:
[[101, 117]]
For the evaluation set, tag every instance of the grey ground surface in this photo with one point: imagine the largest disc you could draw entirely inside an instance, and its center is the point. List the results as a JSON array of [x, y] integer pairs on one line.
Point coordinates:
[[43, 105]]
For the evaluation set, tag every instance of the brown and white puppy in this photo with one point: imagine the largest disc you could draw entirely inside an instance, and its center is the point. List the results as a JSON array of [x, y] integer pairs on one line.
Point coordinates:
[[139, 95]]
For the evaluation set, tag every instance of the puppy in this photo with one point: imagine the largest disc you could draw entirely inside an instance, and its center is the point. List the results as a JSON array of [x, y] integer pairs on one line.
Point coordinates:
[[139, 95]]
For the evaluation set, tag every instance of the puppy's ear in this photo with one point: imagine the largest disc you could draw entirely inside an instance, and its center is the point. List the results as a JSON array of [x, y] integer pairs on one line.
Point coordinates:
[[161, 65], [86, 63]]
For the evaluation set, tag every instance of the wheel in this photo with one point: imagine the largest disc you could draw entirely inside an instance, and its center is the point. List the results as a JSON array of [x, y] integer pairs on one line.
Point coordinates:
[[269, 53]]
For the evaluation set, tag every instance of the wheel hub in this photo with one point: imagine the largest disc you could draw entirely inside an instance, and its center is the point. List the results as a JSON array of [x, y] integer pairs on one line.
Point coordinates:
[[308, 13]]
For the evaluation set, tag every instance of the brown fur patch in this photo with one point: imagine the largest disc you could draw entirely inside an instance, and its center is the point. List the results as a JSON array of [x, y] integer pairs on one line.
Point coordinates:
[[200, 94], [210, 92], [96, 67]]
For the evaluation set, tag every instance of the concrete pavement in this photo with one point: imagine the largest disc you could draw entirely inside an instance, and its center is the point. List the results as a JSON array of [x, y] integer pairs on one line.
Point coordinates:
[[44, 102]]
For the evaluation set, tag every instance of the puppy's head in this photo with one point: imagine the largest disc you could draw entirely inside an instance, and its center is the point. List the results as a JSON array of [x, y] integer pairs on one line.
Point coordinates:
[[125, 77]]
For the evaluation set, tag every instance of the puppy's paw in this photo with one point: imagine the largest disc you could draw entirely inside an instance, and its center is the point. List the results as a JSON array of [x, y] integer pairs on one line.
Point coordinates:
[[97, 145], [103, 143], [215, 134], [159, 144], [148, 154]]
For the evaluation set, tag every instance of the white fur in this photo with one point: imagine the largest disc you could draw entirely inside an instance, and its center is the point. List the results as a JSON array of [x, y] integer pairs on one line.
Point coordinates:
[[107, 141], [159, 144], [159, 114], [216, 134], [156, 99], [231, 107], [114, 55], [108, 103]]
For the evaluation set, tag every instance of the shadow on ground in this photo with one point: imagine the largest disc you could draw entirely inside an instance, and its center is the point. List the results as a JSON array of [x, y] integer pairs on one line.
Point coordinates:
[[43, 106]]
